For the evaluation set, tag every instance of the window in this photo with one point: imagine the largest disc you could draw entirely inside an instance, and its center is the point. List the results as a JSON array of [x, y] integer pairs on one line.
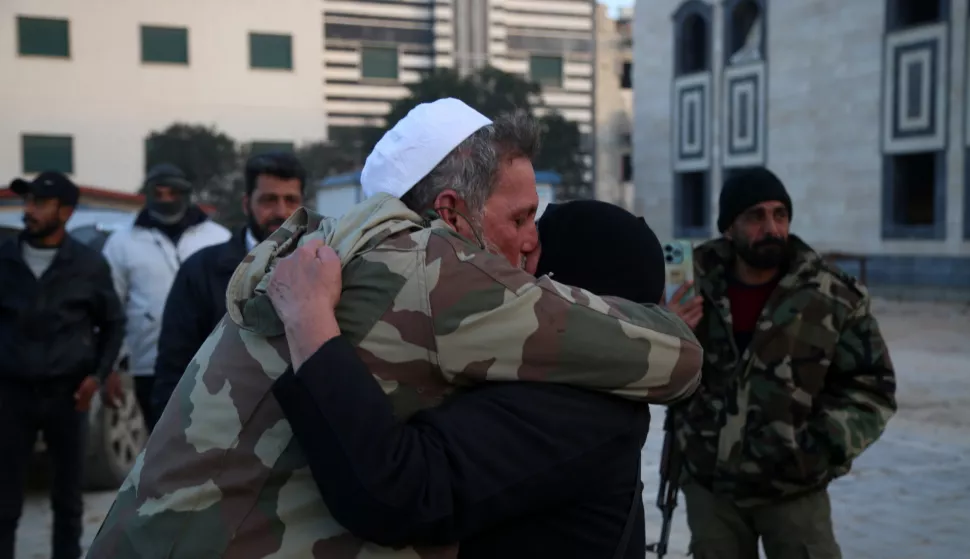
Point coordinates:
[[263, 147], [270, 51], [691, 204], [546, 70], [903, 14], [745, 32], [914, 180], [692, 38], [626, 168], [164, 44], [43, 37], [47, 153], [378, 63], [693, 48], [626, 78]]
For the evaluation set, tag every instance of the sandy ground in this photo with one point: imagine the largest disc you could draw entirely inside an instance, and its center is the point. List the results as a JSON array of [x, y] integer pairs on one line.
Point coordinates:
[[908, 496]]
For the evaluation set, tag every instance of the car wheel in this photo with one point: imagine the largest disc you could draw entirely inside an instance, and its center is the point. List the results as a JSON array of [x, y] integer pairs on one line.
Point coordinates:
[[115, 438]]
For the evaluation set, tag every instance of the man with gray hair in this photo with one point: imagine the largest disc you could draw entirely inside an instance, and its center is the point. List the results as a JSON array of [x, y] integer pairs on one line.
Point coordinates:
[[434, 296]]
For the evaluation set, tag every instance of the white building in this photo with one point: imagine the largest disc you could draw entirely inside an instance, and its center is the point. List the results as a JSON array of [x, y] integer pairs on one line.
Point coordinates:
[[374, 49], [860, 107], [86, 82]]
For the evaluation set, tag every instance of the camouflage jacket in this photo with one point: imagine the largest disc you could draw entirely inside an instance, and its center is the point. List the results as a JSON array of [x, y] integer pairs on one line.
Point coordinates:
[[222, 475], [814, 388]]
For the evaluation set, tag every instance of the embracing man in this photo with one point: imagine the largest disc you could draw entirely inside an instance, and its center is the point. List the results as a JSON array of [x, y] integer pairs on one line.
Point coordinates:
[[434, 296]]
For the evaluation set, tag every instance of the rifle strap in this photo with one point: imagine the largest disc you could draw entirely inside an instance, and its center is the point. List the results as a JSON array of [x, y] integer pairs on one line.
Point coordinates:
[[632, 517]]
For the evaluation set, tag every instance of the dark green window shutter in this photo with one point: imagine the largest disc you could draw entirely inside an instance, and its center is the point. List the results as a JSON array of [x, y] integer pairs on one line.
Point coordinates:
[[164, 44], [546, 70], [48, 153], [256, 148], [270, 51], [43, 36], [378, 62]]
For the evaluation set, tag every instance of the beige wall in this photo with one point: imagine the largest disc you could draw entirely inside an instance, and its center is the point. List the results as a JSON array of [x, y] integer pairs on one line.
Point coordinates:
[[614, 113], [109, 101]]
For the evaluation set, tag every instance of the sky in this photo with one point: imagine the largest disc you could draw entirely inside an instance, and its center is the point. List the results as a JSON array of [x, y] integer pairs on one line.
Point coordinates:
[[614, 4]]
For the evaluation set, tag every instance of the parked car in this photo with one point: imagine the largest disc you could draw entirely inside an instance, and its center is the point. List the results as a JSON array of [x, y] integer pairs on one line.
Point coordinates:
[[115, 436]]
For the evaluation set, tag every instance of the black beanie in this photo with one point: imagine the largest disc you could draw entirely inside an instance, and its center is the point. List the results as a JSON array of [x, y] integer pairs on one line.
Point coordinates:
[[747, 188], [601, 248]]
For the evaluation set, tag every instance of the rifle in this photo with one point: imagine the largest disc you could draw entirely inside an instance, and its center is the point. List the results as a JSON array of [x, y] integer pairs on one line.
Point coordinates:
[[670, 463]]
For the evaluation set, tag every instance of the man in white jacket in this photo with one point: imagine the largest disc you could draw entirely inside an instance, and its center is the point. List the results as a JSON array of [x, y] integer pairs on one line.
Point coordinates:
[[144, 260]]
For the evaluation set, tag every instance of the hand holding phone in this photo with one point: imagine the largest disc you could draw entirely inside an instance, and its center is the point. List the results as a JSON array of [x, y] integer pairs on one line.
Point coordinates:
[[681, 296]]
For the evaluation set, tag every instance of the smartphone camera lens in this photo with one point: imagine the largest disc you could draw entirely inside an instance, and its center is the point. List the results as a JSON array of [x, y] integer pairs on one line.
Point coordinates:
[[669, 258]]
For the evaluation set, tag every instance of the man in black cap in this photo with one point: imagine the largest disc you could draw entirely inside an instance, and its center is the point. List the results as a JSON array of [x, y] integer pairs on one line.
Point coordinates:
[[61, 327], [144, 261], [797, 382]]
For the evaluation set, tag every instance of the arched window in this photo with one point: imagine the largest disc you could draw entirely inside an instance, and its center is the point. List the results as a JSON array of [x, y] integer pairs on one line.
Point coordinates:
[[903, 14], [744, 31], [692, 38]]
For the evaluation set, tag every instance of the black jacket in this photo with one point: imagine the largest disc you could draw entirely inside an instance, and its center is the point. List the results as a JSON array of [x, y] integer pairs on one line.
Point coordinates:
[[67, 324], [195, 305], [508, 469]]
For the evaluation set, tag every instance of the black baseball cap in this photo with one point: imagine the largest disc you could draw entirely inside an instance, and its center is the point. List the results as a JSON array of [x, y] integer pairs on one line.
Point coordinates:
[[49, 184]]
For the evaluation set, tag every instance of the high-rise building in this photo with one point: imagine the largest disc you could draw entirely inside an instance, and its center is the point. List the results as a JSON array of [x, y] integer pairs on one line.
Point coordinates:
[[86, 83], [375, 49]]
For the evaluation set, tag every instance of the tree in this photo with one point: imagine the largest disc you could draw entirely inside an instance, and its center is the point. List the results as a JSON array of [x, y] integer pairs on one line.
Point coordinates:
[[210, 161], [491, 92], [560, 152], [322, 159]]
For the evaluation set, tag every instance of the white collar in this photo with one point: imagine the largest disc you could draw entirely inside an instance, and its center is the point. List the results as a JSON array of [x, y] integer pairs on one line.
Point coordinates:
[[251, 241]]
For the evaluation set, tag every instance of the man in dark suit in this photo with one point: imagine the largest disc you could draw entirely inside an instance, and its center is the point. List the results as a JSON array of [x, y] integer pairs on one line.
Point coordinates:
[[275, 184]]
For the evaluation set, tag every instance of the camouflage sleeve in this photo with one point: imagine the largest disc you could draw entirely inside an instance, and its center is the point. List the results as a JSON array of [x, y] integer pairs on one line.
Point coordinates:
[[496, 322], [860, 391]]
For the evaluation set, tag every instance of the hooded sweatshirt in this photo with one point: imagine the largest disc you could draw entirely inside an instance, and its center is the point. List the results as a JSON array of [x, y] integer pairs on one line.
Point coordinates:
[[222, 476]]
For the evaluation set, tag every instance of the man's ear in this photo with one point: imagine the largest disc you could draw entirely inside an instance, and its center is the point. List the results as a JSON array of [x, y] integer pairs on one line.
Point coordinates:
[[445, 205]]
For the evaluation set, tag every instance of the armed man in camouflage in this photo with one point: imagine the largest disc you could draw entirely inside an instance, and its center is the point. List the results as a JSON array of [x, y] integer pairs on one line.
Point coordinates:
[[428, 303], [797, 383]]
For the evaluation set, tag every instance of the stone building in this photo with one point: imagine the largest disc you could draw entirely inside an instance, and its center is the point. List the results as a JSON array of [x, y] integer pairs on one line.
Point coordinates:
[[859, 107]]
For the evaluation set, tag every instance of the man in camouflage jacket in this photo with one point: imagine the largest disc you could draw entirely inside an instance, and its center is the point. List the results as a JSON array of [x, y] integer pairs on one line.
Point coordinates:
[[222, 475], [796, 383]]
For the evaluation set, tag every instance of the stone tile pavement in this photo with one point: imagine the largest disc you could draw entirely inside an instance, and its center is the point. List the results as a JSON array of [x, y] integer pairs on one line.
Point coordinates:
[[907, 498]]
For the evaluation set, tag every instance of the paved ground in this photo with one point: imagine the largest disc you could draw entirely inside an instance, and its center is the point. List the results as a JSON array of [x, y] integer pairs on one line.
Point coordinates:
[[907, 498]]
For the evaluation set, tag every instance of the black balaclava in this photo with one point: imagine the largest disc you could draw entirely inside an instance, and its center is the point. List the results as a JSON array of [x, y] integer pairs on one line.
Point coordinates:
[[601, 248], [165, 174]]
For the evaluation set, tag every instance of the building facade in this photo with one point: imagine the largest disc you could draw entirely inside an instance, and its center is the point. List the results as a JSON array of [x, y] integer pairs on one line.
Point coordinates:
[[375, 49], [614, 107], [859, 107], [86, 85]]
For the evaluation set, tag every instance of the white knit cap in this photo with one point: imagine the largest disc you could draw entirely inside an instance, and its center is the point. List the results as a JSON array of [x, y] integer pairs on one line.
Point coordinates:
[[416, 144]]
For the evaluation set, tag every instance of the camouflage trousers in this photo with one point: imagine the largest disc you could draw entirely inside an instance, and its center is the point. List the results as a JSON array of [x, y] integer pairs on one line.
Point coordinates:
[[800, 528]]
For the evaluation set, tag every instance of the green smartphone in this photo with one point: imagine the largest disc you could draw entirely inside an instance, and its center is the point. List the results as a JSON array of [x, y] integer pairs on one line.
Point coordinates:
[[679, 267]]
